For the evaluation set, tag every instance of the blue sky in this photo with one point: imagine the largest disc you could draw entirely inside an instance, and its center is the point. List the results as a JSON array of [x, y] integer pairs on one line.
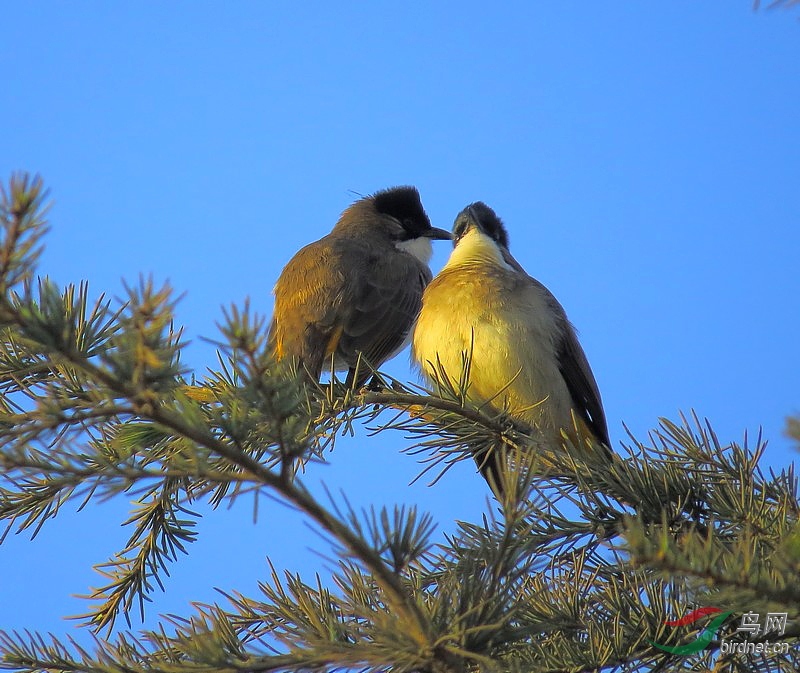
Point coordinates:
[[644, 157]]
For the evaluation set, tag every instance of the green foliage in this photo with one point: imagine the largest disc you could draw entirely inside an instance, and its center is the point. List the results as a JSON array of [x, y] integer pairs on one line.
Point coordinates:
[[775, 4], [575, 568]]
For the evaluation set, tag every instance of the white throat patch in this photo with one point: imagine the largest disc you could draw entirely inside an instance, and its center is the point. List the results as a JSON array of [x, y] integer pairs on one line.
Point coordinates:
[[420, 247]]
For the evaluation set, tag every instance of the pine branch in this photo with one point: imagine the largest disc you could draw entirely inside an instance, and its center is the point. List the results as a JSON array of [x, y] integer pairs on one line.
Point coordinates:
[[295, 494], [575, 568], [775, 4], [22, 220], [160, 534]]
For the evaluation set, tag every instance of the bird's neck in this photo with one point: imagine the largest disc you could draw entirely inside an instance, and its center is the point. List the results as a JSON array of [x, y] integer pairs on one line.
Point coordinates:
[[475, 247], [421, 248]]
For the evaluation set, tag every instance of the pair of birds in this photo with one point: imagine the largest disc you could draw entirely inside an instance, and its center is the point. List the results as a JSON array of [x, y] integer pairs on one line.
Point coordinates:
[[366, 288]]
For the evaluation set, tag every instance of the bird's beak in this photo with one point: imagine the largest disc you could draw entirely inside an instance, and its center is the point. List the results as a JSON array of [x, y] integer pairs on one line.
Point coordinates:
[[438, 234]]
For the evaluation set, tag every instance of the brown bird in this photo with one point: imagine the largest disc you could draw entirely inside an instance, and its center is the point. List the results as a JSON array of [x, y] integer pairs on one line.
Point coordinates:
[[357, 290]]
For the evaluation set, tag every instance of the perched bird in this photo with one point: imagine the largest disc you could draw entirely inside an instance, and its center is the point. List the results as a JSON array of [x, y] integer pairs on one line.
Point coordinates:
[[523, 353], [357, 290]]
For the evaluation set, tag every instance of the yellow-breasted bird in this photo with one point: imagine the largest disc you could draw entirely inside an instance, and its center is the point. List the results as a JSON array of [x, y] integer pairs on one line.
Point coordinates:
[[523, 352]]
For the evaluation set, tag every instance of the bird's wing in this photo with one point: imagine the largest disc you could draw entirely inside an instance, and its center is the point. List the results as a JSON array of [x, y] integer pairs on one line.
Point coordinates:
[[387, 299], [581, 383], [308, 303], [573, 365]]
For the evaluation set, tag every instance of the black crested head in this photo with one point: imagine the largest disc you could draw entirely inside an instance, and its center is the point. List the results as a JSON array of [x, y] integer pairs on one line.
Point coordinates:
[[403, 204], [479, 215]]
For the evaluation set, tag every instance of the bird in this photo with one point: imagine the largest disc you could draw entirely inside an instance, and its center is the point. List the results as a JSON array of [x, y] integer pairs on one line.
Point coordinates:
[[483, 311], [356, 292]]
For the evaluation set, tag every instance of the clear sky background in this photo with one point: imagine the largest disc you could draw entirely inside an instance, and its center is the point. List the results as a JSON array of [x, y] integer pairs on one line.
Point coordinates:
[[644, 157]]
